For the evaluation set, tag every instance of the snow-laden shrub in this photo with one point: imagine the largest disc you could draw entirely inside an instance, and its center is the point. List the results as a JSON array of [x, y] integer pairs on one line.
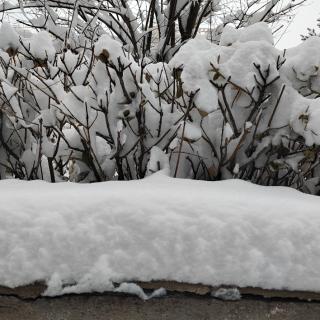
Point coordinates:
[[153, 28], [81, 109]]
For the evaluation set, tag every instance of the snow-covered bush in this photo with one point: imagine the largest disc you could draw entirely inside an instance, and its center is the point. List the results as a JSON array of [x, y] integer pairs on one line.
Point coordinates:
[[101, 95]]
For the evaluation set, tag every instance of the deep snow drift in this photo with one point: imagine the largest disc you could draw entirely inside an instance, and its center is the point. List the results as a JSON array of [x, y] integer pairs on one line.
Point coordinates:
[[82, 238]]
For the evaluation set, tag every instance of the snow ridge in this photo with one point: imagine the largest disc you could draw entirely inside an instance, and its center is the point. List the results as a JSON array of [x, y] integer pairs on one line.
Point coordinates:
[[83, 238]]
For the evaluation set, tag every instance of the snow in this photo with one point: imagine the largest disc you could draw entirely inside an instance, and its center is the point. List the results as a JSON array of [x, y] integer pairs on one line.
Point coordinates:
[[189, 131], [134, 289], [255, 32], [108, 49], [158, 161], [302, 63], [8, 37], [304, 119], [41, 46], [230, 294], [68, 62], [201, 61], [88, 237], [194, 58]]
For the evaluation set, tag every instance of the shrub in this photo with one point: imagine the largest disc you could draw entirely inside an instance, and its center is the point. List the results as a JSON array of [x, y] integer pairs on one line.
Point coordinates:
[[106, 95]]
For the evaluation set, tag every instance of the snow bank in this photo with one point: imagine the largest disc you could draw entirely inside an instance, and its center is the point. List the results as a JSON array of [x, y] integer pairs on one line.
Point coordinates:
[[85, 237]]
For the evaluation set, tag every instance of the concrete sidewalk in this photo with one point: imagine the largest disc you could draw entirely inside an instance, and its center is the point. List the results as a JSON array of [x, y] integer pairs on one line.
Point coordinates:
[[174, 306]]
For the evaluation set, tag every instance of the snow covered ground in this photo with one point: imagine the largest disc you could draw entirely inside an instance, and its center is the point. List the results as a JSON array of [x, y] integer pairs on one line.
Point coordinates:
[[86, 237]]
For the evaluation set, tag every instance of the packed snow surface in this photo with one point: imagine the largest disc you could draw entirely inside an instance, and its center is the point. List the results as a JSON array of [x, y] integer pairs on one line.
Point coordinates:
[[87, 237]]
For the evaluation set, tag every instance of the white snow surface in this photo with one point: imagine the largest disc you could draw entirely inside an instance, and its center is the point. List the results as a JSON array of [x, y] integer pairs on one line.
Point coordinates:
[[229, 294], [86, 237]]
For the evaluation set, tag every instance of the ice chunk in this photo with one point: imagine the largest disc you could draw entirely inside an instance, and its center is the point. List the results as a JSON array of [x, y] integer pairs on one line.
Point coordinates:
[[231, 294]]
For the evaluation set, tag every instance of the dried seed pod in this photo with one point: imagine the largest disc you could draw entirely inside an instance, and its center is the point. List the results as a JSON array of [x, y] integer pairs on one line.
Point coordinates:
[[202, 113], [12, 51], [132, 94], [126, 113], [40, 63], [104, 56]]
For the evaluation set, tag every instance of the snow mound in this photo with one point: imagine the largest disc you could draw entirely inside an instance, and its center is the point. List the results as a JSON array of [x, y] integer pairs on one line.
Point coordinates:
[[255, 32], [87, 237]]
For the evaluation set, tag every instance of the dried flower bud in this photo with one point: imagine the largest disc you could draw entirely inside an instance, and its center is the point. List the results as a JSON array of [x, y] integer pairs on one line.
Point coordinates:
[[104, 56]]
